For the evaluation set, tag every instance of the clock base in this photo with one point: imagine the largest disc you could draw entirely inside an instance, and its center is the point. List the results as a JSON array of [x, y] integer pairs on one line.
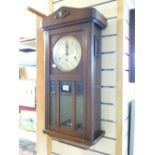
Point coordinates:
[[75, 141]]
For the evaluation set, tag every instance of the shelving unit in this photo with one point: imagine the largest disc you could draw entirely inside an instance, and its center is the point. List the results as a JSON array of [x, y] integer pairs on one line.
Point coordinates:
[[27, 89], [31, 136]]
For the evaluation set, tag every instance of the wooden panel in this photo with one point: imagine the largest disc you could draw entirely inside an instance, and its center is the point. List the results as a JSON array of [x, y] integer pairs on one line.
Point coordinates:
[[65, 149], [108, 44], [81, 3], [108, 78], [111, 28], [108, 95], [109, 9], [110, 129], [108, 61], [108, 112], [104, 145], [43, 141]]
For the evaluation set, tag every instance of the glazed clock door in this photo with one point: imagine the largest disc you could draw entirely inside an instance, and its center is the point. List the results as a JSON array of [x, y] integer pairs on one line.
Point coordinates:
[[66, 108], [69, 112]]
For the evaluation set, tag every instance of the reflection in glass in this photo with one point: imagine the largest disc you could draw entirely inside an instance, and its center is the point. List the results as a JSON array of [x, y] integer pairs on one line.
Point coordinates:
[[79, 105], [53, 102], [66, 104]]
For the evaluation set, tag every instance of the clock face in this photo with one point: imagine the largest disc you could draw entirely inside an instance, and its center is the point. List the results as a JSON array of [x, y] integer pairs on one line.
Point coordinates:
[[67, 53]]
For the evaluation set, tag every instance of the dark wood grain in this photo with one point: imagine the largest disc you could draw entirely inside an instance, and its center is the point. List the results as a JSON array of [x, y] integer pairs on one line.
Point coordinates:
[[73, 105], [85, 25], [75, 16]]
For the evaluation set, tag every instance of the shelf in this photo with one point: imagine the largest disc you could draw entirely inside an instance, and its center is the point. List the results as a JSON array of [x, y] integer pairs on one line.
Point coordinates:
[[29, 135], [27, 45]]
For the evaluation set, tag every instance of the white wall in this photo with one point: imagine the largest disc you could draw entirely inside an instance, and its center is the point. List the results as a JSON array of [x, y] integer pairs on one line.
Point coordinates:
[[9, 77], [145, 75]]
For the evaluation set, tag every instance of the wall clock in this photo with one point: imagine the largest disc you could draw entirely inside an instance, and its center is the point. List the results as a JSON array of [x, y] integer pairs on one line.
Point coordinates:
[[72, 75]]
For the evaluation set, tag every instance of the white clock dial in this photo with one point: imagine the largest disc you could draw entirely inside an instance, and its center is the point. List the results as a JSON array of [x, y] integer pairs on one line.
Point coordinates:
[[67, 53]]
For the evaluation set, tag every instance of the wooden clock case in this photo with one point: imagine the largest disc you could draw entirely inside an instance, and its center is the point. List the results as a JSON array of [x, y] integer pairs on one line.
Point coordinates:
[[85, 24]]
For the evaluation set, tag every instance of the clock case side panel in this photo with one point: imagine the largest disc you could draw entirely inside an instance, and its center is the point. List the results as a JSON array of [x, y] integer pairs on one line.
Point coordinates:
[[46, 81], [92, 80]]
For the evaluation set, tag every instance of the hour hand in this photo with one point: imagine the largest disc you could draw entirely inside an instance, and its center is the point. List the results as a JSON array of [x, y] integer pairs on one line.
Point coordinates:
[[66, 47]]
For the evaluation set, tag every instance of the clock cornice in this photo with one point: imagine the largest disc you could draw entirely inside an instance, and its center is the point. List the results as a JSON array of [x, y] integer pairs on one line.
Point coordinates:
[[66, 16]]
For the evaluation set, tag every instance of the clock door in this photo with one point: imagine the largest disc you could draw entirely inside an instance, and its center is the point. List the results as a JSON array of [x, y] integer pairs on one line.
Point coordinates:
[[66, 102], [67, 105]]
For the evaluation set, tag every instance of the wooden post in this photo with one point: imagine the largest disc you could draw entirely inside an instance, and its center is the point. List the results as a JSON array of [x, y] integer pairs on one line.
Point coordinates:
[[119, 78], [43, 141]]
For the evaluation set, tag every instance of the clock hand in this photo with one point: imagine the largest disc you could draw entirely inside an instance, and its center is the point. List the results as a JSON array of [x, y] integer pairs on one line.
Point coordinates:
[[66, 46]]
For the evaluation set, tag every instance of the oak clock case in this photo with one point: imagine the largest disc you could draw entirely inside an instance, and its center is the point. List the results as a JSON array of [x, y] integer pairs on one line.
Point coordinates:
[[72, 75]]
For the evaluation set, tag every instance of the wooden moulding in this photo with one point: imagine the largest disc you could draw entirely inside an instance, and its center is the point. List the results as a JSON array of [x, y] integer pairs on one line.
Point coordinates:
[[67, 16], [82, 143]]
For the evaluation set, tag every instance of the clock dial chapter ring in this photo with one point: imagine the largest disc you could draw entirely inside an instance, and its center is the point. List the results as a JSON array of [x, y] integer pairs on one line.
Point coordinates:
[[67, 53]]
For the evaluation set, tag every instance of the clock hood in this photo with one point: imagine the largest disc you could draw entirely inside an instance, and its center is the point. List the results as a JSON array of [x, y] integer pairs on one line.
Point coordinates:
[[66, 16]]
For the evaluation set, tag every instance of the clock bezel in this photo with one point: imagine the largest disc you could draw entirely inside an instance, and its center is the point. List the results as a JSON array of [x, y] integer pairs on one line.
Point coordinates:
[[67, 37], [55, 35]]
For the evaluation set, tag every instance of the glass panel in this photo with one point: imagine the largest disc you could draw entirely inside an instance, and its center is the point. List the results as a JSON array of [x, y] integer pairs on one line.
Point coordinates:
[[53, 103], [79, 105], [66, 104]]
